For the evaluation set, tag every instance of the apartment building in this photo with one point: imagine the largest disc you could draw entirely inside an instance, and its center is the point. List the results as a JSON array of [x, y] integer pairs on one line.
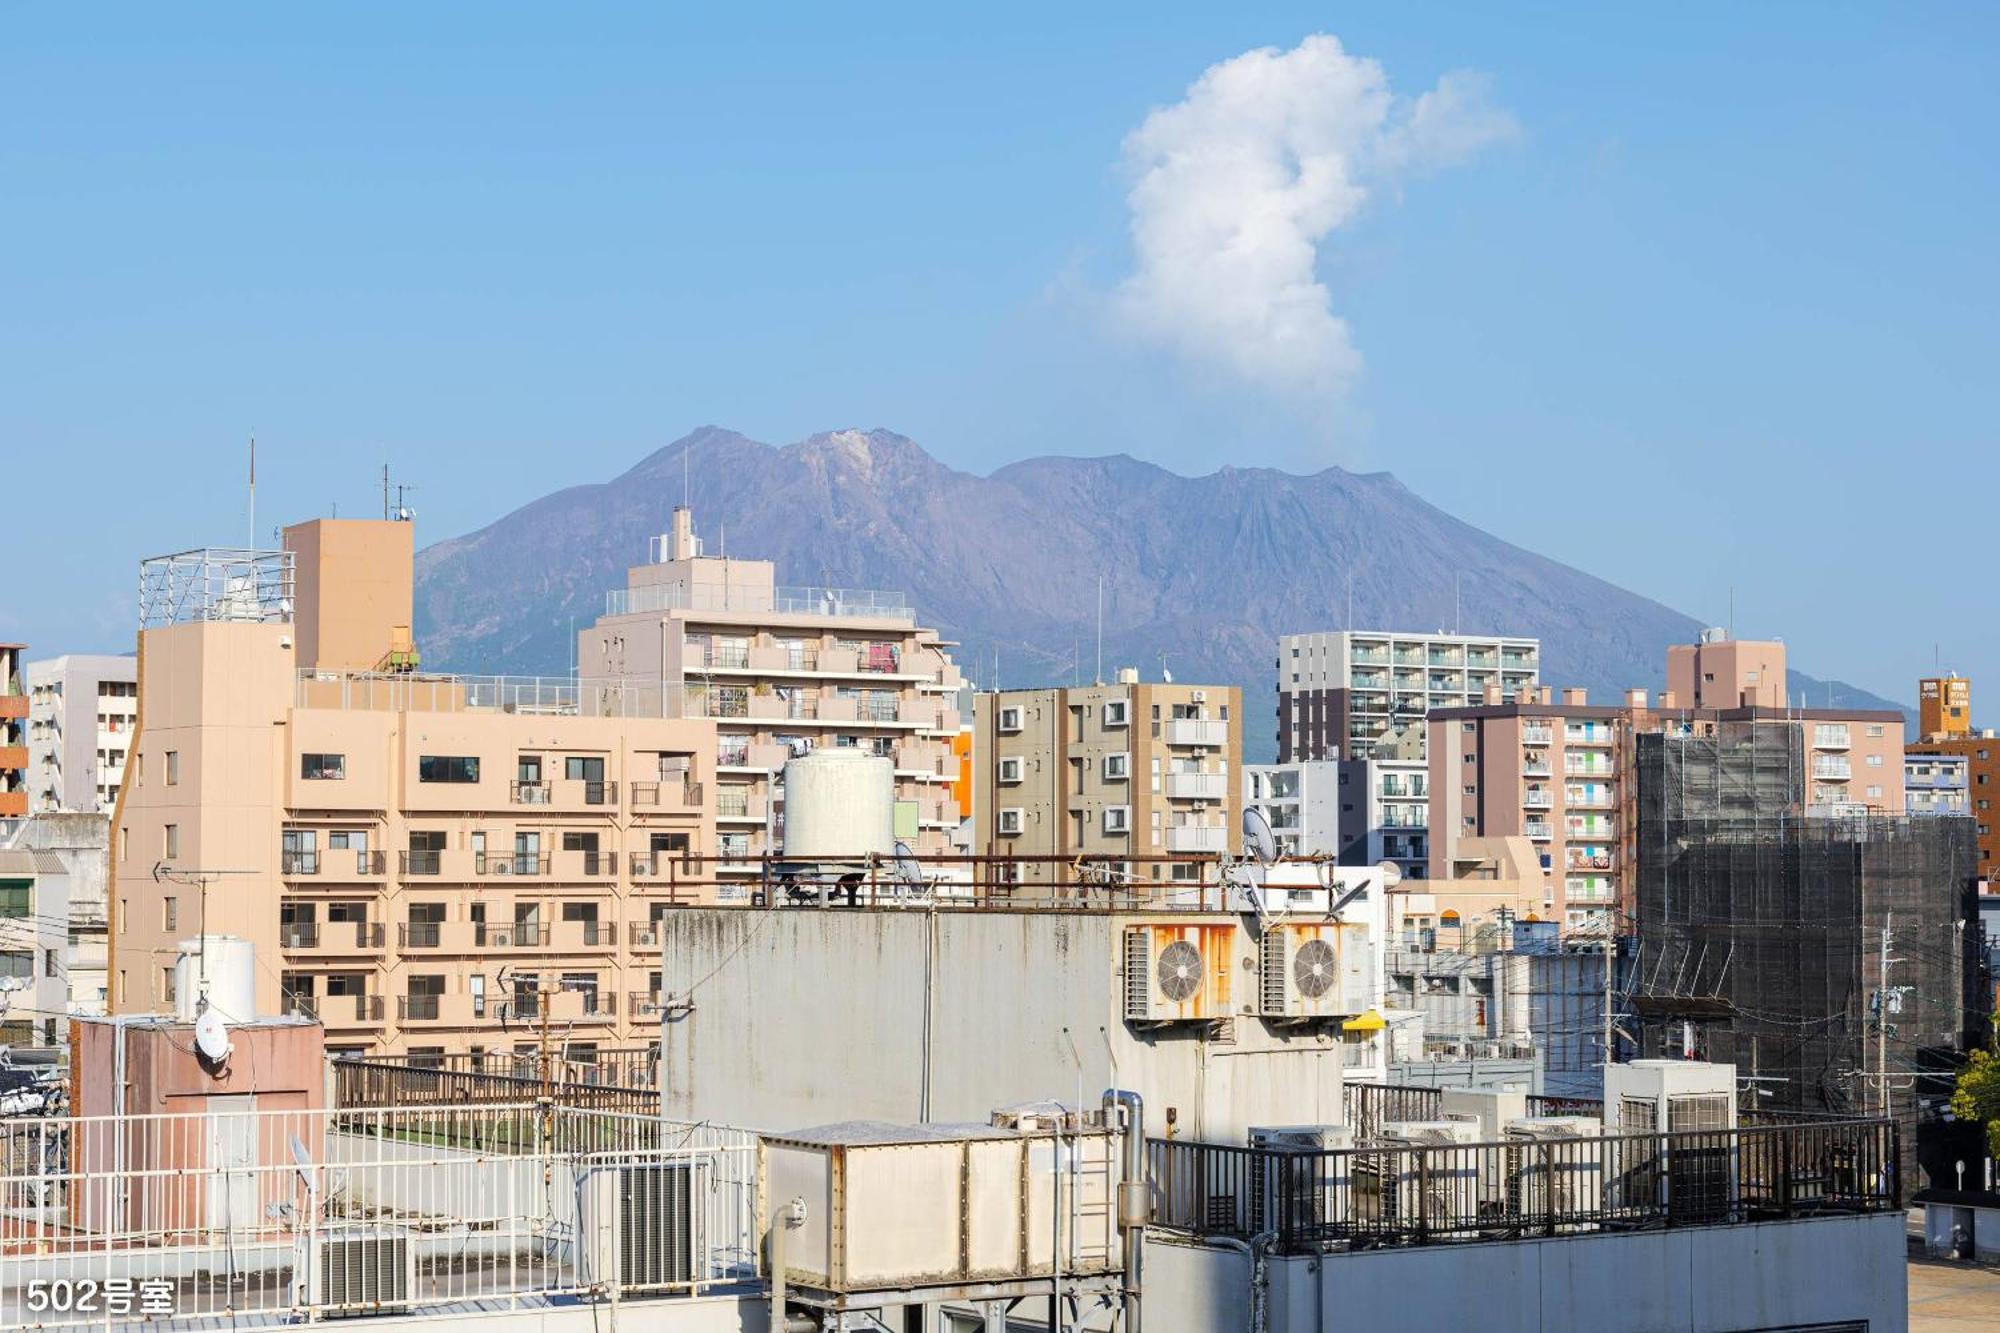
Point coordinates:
[[1129, 769], [429, 863], [1944, 717], [1341, 691], [34, 905], [1301, 802], [13, 735], [1558, 771], [780, 670], [1937, 784], [81, 713]]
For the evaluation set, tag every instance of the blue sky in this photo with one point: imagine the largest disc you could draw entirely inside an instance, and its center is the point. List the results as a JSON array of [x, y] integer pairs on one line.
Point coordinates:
[[1716, 313]]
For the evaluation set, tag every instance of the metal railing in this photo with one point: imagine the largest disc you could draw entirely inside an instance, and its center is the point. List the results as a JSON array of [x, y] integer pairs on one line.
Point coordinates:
[[308, 1215], [520, 935], [428, 692], [792, 601], [528, 793], [415, 862], [1408, 1194], [419, 934], [298, 863], [510, 863]]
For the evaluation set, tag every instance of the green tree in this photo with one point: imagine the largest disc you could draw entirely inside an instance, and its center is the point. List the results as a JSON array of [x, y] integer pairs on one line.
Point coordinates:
[[1977, 1097]]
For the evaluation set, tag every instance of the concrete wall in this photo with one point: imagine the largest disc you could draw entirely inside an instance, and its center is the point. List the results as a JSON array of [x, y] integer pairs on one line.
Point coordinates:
[[798, 1017], [1704, 1280]]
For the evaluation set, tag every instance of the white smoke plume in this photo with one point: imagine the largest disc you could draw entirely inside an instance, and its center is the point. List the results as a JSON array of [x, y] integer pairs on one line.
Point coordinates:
[[1237, 186]]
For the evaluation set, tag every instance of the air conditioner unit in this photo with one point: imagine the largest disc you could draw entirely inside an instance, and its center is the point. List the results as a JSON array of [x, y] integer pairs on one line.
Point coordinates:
[[1306, 1183], [1177, 973], [1198, 696], [361, 1272], [1692, 1176], [1492, 1109], [1554, 1168], [638, 1223], [1395, 1186], [1308, 970]]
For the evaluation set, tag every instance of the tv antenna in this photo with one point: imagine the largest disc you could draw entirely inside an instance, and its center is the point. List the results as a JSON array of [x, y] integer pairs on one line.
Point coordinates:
[[198, 880], [399, 511]]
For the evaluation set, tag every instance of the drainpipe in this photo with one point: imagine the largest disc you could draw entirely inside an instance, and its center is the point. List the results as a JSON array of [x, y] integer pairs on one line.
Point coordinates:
[[1134, 1200], [1259, 1250], [788, 1218]]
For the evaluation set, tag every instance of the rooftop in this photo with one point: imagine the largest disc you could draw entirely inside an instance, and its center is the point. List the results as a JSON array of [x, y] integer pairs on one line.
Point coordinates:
[[837, 603]]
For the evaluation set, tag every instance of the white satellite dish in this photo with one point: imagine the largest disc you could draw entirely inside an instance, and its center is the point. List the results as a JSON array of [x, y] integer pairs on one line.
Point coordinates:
[[1392, 874], [1257, 835], [909, 871], [211, 1036]]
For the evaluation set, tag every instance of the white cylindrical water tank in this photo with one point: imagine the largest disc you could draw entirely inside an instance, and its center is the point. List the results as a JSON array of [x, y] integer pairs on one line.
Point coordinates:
[[840, 805], [226, 967]]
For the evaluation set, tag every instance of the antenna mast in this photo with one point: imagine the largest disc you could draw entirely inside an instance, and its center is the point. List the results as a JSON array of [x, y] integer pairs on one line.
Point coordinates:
[[253, 490]]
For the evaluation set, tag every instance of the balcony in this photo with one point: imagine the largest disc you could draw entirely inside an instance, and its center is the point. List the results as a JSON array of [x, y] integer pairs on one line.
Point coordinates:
[[684, 795], [521, 935], [1188, 731], [1370, 657], [1577, 799], [418, 1008], [1587, 768], [1591, 861], [1394, 790], [660, 865], [298, 935], [366, 864], [1536, 766], [1592, 735], [297, 865], [419, 934], [735, 803], [420, 862], [642, 1003], [1197, 786], [1828, 769], [510, 863], [1539, 800], [1537, 830], [571, 936], [571, 793], [577, 864], [644, 935], [331, 937], [1830, 737], [1537, 736], [528, 793], [1187, 838], [346, 1011]]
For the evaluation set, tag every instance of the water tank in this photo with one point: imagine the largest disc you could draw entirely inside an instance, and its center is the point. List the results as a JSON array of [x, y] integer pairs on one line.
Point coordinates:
[[840, 804], [230, 966]]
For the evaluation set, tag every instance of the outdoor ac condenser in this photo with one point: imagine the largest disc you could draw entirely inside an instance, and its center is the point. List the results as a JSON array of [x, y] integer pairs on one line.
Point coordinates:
[[638, 1223]]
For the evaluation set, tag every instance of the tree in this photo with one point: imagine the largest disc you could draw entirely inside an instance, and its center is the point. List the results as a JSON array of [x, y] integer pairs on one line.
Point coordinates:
[[1977, 1097]]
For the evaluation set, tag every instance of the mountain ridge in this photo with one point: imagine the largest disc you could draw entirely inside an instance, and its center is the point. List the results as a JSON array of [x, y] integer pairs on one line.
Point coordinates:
[[1200, 573]]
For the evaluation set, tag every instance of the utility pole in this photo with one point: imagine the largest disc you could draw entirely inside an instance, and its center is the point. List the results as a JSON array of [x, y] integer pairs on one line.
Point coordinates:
[[1884, 995]]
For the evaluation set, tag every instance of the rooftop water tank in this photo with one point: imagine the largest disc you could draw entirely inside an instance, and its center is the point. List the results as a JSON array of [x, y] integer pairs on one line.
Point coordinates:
[[224, 966], [840, 805]]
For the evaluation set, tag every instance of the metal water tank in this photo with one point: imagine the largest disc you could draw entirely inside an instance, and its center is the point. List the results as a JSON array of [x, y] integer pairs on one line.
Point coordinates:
[[840, 805], [228, 964]]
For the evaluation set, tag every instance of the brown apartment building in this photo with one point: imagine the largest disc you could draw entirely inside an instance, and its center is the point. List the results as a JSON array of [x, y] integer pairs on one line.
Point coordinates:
[[430, 863], [780, 670], [1558, 770], [1944, 724], [1128, 769]]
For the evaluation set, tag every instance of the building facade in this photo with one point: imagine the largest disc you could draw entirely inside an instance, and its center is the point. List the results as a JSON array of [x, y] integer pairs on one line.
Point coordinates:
[[1301, 801], [428, 863], [1341, 691], [1146, 771], [1937, 784], [13, 736], [34, 907], [81, 713], [1944, 706], [780, 670]]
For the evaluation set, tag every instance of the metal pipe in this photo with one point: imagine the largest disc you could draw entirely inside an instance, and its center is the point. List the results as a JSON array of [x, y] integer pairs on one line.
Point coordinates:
[[1255, 1249], [1134, 1199]]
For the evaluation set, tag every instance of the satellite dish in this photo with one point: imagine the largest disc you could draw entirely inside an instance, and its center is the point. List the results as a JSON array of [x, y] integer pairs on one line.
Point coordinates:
[[1257, 835], [211, 1036], [299, 1153], [1392, 874], [909, 871]]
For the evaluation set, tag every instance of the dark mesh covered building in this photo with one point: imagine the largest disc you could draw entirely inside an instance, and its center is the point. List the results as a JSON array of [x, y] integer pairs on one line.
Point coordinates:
[[1761, 928]]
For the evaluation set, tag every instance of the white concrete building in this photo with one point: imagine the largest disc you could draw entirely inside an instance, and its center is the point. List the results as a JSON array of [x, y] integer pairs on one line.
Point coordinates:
[[1302, 803], [81, 713], [34, 905], [1340, 691]]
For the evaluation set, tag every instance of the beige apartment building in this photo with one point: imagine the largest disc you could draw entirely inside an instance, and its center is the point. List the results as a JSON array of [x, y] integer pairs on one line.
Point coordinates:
[[430, 863], [780, 670], [1558, 771], [1130, 769]]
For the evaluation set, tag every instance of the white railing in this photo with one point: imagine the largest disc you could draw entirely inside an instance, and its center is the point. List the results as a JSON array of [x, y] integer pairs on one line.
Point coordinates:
[[428, 692], [866, 603], [289, 1216], [1197, 731]]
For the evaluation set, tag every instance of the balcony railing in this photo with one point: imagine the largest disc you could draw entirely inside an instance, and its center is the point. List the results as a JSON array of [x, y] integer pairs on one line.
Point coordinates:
[[1537, 736], [297, 863], [1538, 800], [642, 1003], [529, 793], [600, 793], [1537, 830], [511, 863], [685, 794], [298, 935], [420, 862], [346, 1010], [1197, 731], [417, 1008], [645, 935], [521, 935], [419, 934]]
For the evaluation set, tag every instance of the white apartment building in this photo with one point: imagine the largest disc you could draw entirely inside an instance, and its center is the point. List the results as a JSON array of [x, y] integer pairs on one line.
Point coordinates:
[[782, 670], [1341, 691], [1302, 803], [81, 712]]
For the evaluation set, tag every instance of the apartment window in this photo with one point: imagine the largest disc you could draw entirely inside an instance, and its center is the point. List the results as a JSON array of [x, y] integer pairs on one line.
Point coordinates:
[[124, 843], [1010, 821], [1875, 791], [447, 768], [1875, 729], [173, 841], [1117, 713], [16, 900], [1010, 719], [170, 913], [167, 988], [1874, 761], [1010, 771], [1471, 791], [1467, 727], [1118, 819], [173, 767], [1117, 767], [124, 916], [323, 767]]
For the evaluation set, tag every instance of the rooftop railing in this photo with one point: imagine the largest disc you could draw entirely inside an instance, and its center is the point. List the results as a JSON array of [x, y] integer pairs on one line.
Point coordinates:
[[540, 696], [865, 603]]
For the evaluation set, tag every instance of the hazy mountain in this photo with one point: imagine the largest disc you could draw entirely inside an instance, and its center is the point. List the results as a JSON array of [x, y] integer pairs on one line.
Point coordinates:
[[1205, 571]]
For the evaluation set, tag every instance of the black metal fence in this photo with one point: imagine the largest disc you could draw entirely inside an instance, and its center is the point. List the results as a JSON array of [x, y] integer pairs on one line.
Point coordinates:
[[616, 1081], [1417, 1194]]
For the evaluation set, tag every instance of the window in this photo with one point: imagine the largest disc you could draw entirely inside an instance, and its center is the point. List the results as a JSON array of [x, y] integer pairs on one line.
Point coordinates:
[[167, 985], [1117, 819], [1117, 767], [173, 767], [170, 913], [1010, 821], [1010, 719], [124, 843], [1874, 761], [1117, 713], [323, 767], [173, 841], [1467, 727], [447, 768], [1010, 771], [1875, 729], [1875, 792], [16, 899]]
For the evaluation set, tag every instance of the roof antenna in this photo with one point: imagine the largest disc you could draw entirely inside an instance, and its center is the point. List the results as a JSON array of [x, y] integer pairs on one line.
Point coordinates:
[[253, 490]]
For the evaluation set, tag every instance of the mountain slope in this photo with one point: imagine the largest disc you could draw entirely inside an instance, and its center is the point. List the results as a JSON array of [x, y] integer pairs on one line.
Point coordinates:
[[1203, 571]]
